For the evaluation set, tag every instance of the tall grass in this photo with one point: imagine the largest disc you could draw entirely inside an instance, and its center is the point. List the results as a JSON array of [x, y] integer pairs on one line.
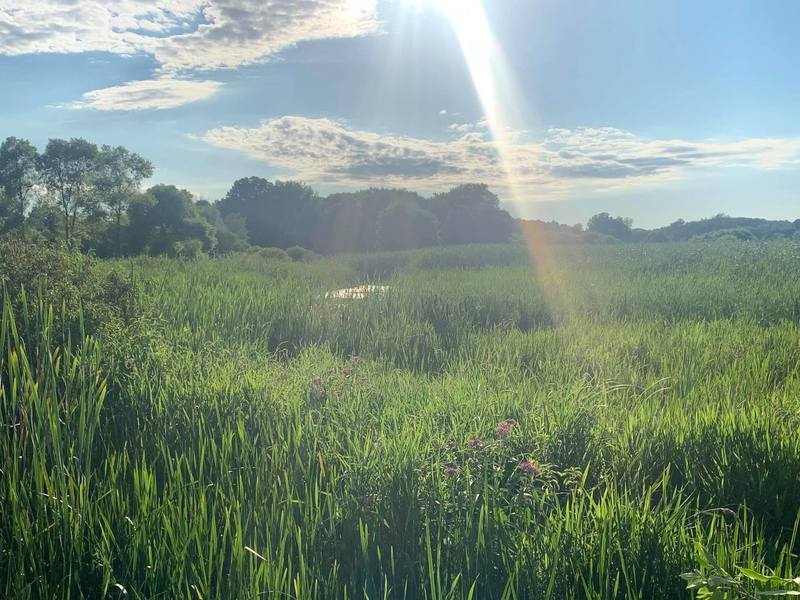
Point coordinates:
[[499, 432]]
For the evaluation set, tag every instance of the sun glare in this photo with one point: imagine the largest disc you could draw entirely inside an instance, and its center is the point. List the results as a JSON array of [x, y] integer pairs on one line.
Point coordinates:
[[491, 76], [504, 108]]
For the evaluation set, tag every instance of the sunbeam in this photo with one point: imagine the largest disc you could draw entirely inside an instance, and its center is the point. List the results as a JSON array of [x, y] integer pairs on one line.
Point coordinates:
[[506, 111]]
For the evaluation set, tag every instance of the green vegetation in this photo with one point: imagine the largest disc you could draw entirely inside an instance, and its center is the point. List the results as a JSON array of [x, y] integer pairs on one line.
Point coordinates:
[[580, 422], [603, 228], [91, 198]]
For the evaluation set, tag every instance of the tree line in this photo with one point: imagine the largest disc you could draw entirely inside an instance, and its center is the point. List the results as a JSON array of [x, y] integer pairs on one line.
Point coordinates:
[[604, 228], [91, 197]]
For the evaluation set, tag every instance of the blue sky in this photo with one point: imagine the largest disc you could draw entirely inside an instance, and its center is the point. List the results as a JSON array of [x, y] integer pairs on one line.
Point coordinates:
[[651, 110]]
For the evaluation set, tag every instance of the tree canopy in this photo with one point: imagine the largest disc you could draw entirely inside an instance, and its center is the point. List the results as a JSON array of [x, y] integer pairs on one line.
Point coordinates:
[[91, 197]]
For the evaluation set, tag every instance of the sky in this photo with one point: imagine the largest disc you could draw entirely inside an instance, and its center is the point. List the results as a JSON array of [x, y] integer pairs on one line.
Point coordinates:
[[565, 108]]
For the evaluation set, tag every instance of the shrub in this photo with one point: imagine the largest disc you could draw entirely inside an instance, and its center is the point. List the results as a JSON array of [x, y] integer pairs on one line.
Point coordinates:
[[273, 253], [724, 235], [85, 299], [300, 254], [192, 249]]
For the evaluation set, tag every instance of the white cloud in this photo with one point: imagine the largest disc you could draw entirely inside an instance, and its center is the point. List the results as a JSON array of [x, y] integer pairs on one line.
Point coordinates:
[[182, 36], [325, 151], [154, 94], [179, 34]]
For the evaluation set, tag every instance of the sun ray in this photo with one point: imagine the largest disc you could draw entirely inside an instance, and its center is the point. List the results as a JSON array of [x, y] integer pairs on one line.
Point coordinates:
[[507, 113]]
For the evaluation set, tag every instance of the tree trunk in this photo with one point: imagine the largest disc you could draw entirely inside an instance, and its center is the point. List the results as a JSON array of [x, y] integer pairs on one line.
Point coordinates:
[[119, 232]]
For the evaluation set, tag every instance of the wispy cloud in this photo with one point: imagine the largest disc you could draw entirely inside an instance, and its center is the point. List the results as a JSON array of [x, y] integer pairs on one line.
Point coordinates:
[[182, 36], [179, 34], [325, 151], [153, 94]]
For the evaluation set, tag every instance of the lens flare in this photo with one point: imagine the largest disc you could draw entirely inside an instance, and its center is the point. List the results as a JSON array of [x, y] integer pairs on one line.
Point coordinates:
[[506, 112], [492, 78]]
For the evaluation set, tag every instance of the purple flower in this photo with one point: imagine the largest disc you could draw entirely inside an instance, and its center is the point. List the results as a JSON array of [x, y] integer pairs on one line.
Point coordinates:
[[529, 468], [504, 427], [475, 443], [450, 471]]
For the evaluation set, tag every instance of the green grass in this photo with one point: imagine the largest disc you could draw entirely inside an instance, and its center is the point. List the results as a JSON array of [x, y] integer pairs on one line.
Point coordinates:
[[232, 447]]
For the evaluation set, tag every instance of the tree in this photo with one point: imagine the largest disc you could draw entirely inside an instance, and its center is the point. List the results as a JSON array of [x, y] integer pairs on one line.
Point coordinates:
[[349, 221], [471, 213], [120, 173], [605, 224], [68, 170], [280, 214], [404, 225], [164, 219], [18, 174], [231, 232]]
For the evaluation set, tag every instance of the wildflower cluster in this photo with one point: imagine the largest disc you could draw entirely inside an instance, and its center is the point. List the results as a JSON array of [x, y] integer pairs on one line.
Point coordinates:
[[335, 382], [504, 427]]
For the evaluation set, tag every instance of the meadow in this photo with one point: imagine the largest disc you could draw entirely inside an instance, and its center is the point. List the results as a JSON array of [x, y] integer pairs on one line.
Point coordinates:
[[576, 422]]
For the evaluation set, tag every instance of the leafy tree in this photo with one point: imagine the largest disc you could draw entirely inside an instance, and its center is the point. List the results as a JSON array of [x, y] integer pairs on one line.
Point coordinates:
[[605, 224], [164, 219], [299, 254], [120, 173], [734, 234], [279, 214], [349, 221], [18, 174], [471, 213], [68, 170], [231, 232], [46, 220], [404, 225]]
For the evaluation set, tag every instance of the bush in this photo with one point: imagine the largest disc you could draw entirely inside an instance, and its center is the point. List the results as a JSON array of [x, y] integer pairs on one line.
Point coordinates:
[[272, 253], [724, 235], [192, 249], [300, 254], [85, 300]]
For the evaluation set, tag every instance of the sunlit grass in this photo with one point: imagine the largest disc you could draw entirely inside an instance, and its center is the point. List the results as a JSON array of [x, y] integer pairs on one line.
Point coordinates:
[[259, 440]]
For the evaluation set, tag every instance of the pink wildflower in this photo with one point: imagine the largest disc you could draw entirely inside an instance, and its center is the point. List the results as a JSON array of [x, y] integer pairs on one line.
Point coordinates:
[[450, 471], [504, 427], [529, 468]]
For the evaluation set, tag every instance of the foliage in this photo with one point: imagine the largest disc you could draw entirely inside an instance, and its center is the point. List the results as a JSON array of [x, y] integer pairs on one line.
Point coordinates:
[[66, 169], [487, 427], [91, 198], [471, 214], [402, 226], [166, 221], [118, 177], [84, 298], [284, 214], [714, 582], [18, 172], [605, 224], [272, 253], [300, 254], [276, 214], [720, 227], [720, 235]]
